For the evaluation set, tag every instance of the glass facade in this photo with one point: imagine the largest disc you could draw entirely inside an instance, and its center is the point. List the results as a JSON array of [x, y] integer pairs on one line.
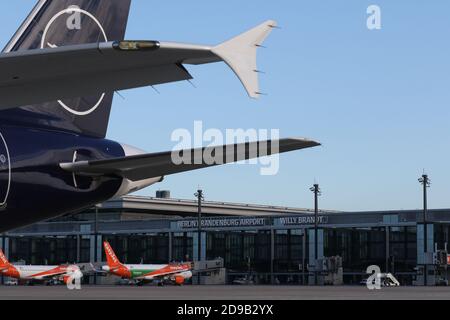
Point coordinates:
[[359, 248], [136, 249], [47, 250], [393, 249], [241, 251], [277, 255], [290, 254], [402, 250], [182, 246], [442, 236]]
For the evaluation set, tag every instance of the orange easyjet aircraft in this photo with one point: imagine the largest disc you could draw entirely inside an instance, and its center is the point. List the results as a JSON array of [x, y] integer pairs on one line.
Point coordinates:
[[176, 273], [39, 273]]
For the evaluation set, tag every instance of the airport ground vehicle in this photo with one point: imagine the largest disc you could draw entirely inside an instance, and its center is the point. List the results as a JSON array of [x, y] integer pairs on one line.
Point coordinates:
[[386, 280]]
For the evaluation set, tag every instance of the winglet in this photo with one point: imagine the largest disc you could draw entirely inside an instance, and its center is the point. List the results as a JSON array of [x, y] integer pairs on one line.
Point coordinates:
[[240, 55]]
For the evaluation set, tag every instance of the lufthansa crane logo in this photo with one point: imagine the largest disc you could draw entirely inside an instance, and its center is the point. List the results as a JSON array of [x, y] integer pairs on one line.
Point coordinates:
[[73, 23]]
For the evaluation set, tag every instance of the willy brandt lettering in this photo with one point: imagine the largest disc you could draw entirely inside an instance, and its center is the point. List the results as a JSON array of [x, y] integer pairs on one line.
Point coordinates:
[[307, 220]]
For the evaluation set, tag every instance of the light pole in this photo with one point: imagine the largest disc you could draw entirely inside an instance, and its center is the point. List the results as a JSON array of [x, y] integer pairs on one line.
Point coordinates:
[[426, 183], [317, 193], [200, 198]]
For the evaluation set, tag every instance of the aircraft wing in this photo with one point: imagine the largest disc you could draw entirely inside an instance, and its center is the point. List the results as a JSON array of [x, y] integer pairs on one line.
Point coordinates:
[[147, 166], [54, 274], [43, 75], [165, 272], [159, 276]]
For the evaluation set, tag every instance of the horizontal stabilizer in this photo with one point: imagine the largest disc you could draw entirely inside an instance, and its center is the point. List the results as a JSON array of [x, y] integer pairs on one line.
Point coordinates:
[[50, 74], [148, 166]]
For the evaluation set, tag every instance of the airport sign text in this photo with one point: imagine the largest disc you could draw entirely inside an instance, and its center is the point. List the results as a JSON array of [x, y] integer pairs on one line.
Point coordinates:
[[307, 220], [224, 223]]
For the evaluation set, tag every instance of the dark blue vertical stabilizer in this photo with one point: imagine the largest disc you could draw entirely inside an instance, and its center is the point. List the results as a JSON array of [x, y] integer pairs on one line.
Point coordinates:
[[55, 23]]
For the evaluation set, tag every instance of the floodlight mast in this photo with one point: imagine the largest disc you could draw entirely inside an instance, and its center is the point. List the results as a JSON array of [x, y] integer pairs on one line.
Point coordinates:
[[426, 183], [317, 193]]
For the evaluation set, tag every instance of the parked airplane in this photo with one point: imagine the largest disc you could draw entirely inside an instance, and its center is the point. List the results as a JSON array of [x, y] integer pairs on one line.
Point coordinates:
[[62, 273], [59, 73], [142, 273]]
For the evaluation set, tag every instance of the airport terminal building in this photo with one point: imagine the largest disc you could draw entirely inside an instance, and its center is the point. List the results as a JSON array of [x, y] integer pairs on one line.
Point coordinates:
[[270, 245]]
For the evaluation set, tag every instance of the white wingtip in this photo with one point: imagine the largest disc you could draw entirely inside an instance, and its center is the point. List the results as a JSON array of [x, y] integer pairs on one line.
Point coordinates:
[[240, 55]]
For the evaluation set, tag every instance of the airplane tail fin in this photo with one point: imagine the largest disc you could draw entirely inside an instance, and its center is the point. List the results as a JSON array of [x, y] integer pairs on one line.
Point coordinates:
[[240, 55], [111, 258], [3, 260], [56, 23]]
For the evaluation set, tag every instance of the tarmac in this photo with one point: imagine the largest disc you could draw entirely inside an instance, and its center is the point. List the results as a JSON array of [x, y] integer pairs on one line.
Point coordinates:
[[222, 293]]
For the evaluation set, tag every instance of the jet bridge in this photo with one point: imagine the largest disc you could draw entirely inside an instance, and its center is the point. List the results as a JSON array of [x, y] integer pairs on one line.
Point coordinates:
[[209, 272]]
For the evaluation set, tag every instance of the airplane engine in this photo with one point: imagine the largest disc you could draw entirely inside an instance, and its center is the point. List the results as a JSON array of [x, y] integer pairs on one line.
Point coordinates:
[[66, 279], [179, 280], [129, 186], [187, 275]]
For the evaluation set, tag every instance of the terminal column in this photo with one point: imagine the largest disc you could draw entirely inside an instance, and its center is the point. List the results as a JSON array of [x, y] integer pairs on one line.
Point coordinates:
[[96, 243], [96, 252], [272, 256], [388, 249], [425, 236], [170, 246], [5, 247], [199, 250], [314, 260]]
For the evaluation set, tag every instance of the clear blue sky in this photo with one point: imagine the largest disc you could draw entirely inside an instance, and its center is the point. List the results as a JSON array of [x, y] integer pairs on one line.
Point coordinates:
[[379, 101]]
